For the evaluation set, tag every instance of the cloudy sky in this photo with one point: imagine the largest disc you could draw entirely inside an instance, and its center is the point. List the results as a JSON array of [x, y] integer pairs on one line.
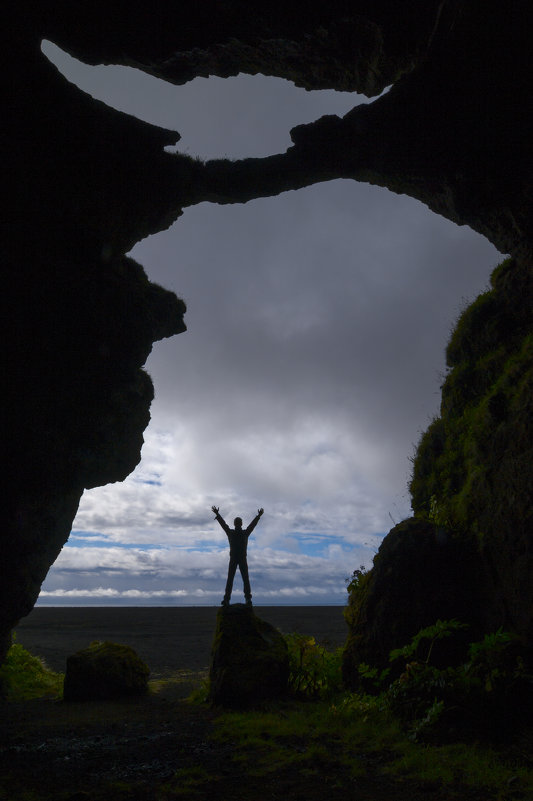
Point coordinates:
[[317, 322]]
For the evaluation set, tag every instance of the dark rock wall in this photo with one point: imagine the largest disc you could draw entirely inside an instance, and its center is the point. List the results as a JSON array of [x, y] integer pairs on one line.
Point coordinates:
[[84, 183], [361, 45], [77, 401]]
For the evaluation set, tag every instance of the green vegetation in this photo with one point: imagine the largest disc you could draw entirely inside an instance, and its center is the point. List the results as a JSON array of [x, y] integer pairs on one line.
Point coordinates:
[[480, 699], [411, 728], [426, 638], [24, 676], [313, 670], [357, 588], [472, 471], [308, 737], [188, 782], [322, 741], [181, 682], [357, 737]]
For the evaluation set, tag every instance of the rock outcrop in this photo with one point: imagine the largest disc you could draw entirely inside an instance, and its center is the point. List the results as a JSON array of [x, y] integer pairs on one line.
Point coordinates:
[[422, 573], [468, 553], [105, 671], [473, 471], [249, 660], [84, 183]]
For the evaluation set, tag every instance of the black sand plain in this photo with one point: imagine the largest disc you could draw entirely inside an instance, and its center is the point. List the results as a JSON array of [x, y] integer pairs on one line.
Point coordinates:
[[168, 639]]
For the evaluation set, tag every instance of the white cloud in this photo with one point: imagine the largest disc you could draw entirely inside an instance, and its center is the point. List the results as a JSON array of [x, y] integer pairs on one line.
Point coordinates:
[[172, 576], [111, 592]]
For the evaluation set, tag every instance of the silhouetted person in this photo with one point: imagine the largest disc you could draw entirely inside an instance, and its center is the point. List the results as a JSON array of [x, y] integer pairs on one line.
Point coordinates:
[[238, 542]]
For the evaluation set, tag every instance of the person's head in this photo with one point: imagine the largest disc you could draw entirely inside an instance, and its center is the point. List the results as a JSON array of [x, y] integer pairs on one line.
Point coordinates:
[[238, 522]]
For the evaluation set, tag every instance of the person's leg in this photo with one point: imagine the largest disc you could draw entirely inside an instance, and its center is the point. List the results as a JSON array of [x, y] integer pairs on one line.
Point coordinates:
[[243, 567], [232, 567]]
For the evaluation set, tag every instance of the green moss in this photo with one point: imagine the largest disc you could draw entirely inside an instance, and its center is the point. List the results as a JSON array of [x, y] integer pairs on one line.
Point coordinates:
[[470, 766], [249, 659], [473, 469], [24, 676], [358, 587]]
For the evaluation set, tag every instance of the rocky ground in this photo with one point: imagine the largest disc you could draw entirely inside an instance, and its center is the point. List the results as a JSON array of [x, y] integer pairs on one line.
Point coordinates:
[[160, 748]]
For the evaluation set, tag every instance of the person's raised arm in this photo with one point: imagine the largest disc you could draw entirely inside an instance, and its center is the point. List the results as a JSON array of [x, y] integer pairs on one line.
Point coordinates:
[[254, 522], [220, 519]]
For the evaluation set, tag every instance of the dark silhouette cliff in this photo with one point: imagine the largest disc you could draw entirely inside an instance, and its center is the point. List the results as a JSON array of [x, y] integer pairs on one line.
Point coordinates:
[[83, 183]]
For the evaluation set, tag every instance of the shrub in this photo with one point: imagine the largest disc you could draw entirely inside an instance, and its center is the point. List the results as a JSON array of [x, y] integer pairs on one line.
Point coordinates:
[[440, 630], [357, 588], [313, 670], [479, 698]]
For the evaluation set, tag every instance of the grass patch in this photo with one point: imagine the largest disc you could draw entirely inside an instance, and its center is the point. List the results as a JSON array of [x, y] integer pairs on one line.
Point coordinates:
[[188, 783], [191, 680], [466, 765], [305, 737], [339, 736], [24, 676], [339, 741]]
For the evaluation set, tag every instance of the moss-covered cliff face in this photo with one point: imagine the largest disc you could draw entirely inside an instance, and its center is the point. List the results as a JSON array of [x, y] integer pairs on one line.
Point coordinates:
[[84, 183], [473, 471], [468, 553]]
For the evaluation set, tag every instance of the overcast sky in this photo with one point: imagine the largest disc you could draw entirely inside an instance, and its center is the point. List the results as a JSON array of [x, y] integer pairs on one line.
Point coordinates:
[[317, 323]]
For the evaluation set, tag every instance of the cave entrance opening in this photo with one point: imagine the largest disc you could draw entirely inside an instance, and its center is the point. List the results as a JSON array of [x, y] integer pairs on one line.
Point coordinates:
[[317, 324]]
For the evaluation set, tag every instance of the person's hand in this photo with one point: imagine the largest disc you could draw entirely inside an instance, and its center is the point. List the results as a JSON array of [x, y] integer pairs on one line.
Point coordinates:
[[260, 512], [215, 509]]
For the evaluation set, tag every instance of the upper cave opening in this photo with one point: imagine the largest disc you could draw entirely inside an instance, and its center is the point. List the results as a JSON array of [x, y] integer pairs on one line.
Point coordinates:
[[214, 116]]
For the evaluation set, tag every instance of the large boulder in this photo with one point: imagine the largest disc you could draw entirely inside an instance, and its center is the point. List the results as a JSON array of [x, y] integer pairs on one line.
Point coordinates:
[[249, 659], [104, 671], [421, 573]]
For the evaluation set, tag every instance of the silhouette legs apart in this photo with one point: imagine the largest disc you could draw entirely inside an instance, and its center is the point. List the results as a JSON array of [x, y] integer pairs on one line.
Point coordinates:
[[243, 567]]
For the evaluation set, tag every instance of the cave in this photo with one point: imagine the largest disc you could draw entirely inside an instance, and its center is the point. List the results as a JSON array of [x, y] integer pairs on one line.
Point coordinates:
[[85, 183]]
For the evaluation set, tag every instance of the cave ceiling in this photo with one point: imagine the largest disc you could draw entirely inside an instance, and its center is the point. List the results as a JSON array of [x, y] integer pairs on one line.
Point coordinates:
[[454, 130]]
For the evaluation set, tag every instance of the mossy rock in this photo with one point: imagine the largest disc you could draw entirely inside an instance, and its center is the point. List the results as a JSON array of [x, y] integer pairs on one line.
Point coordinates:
[[105, 671], [249, 660], [421, 573], [473, 470]]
